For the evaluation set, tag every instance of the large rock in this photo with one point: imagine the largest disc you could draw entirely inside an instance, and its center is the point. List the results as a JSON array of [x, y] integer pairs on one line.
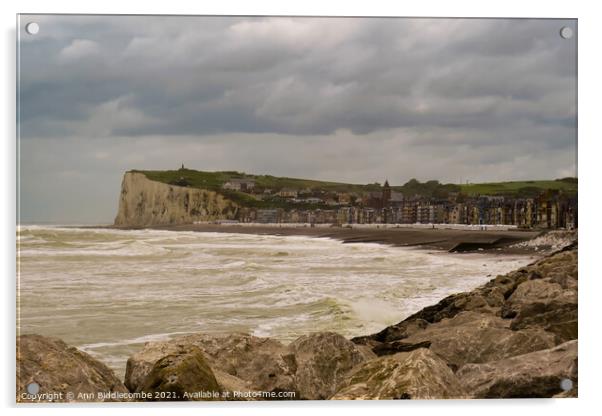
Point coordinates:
[[65, 373], [141, 363], [234, 388], [545, 303], [265, 363], [558, 272], [537, 292], [561, 268], [322, 360], [472, 337], [261, 364], [555, 317], [487, 300], [183, 375], [537, 374], [419, 374]]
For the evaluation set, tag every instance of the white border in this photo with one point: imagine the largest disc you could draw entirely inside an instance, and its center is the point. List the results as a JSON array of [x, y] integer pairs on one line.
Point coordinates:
[[589, 204]]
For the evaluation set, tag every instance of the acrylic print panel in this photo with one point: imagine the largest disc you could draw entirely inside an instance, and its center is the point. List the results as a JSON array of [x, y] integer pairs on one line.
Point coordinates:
[[290, 208]]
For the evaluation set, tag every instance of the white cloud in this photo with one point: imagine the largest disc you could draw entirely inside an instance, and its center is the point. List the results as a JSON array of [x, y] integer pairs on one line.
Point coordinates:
[[79, 49]]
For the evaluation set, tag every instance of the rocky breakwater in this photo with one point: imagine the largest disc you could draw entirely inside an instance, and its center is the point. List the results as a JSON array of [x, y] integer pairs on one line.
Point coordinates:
[[48, 370], [143, 202], [246, 367], [515, 336]]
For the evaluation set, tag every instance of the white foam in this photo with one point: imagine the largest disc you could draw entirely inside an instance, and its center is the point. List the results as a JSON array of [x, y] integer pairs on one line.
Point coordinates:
[[132, 341], [148, 285]]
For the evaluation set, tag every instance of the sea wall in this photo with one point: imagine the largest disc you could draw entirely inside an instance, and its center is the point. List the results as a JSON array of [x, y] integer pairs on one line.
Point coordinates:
[[143, 202]]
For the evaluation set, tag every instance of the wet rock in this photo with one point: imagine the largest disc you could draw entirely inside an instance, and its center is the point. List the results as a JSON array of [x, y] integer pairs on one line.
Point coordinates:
[[322, 360], [62, 370], [472, 337], [537, 374], [182, 376], [419, 374]]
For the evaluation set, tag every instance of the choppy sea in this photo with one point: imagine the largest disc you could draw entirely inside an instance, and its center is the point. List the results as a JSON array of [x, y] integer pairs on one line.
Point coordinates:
[[110, 291]]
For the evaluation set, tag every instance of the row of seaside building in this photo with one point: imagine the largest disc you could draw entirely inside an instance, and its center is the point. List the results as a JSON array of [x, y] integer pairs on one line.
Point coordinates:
[[549, 210]]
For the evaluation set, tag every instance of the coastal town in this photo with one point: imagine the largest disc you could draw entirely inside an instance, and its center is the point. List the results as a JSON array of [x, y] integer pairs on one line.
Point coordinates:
[[548, 209]]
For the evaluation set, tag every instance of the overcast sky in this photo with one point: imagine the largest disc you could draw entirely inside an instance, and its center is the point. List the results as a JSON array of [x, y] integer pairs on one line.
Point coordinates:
[[348, 99]]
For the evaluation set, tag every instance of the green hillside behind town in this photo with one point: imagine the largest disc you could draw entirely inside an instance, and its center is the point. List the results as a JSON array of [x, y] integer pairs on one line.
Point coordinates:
[[520, 188], [431, 189]]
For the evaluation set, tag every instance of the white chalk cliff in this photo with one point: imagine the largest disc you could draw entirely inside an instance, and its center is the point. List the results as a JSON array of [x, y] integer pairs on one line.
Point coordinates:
[[145, 203]]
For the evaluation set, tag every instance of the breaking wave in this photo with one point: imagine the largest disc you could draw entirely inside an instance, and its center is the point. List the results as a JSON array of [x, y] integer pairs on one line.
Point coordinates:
[[109, 291]]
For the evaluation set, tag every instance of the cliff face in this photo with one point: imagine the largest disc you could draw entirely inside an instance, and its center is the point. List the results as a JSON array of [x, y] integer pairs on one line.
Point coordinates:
[[144, 203]]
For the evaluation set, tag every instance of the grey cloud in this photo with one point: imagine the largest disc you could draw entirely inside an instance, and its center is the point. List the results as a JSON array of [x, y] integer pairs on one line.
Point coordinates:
[[302, 76], [349, 99]]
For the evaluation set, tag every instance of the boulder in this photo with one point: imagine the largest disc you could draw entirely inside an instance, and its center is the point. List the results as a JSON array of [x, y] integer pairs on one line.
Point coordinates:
[[534, 292], [561, 268], [182, 376], [322, 360], [64, 373], [472, 337], [544, 304], [392, 333], [265, 363], [555, 317], [487, 301], [141, 363], [418, 374], [550, 279], [537, 374], [231, 384], [261, 364]]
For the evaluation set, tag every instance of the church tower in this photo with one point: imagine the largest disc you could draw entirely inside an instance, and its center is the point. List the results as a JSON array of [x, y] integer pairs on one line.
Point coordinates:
[[386, 194]]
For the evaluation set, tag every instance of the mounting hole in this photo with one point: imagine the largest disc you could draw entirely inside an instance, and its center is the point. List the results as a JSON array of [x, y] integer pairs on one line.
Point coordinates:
[[32, 28], [33, 388], [566, 32], [566, 384]]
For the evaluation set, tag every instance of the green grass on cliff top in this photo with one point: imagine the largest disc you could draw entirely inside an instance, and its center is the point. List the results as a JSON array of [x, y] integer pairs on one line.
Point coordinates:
[[215, 180], [520, 188]]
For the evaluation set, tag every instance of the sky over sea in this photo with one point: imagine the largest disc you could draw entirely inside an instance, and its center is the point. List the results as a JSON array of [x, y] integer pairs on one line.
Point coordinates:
[[341, 99]]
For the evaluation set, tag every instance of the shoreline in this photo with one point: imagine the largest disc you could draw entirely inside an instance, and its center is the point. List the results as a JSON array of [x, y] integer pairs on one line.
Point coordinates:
[[444, 239]]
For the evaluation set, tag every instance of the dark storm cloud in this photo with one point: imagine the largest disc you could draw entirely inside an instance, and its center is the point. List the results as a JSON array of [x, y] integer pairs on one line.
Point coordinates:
[[446, 99], [294, 76]]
